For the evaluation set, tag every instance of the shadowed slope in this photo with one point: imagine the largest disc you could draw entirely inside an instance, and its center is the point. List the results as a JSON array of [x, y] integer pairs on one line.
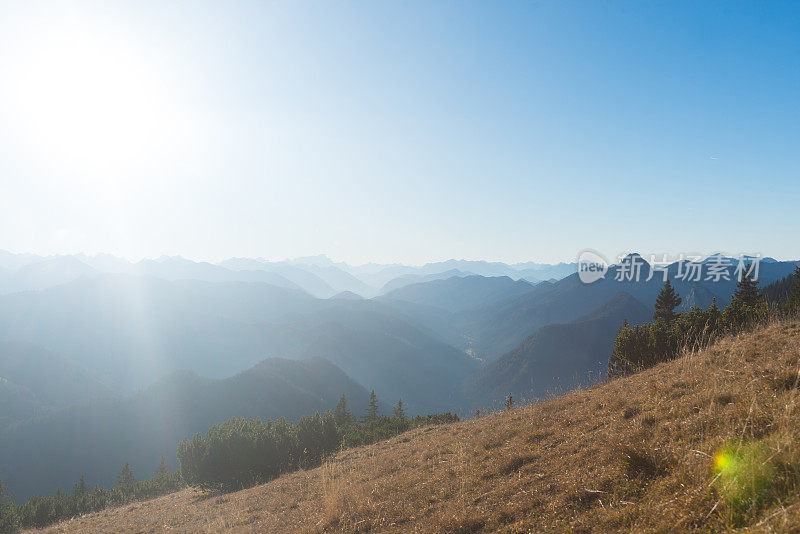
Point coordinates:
[[460, 293], [54, 380], [558, 357]]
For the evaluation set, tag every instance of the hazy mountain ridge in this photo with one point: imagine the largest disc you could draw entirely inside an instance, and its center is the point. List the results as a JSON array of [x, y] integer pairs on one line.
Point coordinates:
[[134, 330], [17, 403], [317, 275], [558, 357], [495, 331], [35, 379], [96, 438], [386, 353], [462, 293], [408, 279]]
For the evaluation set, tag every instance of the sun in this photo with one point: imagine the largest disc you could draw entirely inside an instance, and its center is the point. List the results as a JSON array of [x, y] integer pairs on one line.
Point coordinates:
[[87, 99]]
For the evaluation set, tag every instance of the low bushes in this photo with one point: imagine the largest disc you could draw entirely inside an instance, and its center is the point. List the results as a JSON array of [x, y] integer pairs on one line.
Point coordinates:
[[242, 452]]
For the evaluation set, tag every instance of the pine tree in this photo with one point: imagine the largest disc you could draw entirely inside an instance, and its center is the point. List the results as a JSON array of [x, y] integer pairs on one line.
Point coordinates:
[[713, 310], [372, 407], [714, 315], [748, 305], [341, 414], [79, 500], [618, 363], [398, 412], [793, 300], [81, 488], [125, 477], [331, 438], [163, 467], [747, 292], [666, 303]]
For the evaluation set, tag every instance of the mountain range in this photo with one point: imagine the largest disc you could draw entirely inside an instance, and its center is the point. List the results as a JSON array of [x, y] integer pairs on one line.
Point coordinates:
[[317, 275], [172, 346]]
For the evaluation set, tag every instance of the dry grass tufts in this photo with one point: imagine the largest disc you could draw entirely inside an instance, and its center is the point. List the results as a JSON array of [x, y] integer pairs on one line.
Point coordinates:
[[631, 412], [515, 463], [642, 463], [785, 381], [463, 525], [724, 399], [648, 421]]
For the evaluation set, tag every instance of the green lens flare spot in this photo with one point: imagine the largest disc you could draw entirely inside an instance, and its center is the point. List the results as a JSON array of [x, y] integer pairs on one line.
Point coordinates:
[[744, 476]]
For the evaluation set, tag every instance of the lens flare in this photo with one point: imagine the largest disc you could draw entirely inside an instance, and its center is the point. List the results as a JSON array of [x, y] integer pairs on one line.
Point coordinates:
[[723, 461], [744, 475]]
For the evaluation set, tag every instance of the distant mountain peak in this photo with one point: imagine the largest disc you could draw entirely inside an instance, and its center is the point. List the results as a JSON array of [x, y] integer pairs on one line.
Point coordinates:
[[632, 256], [320, 260], [347, 295]]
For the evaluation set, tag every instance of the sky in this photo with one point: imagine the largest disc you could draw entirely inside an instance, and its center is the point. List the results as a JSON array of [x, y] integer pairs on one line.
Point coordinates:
[[399, 131]]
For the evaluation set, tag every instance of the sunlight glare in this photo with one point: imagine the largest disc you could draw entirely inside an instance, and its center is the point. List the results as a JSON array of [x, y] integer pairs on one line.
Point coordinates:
[[88, 99]]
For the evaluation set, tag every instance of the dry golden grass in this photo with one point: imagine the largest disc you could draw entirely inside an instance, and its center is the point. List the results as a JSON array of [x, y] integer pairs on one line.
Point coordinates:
[[634, 454]]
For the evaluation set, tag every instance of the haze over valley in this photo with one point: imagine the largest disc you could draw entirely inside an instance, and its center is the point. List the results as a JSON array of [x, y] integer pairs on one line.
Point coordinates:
[[129, 358]]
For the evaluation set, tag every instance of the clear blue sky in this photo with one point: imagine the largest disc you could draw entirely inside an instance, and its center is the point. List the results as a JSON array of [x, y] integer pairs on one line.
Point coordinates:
[[400, 131]]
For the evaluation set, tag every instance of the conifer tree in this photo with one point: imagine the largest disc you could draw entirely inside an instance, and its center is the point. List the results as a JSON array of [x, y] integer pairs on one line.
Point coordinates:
[[747, 292], [618, 364], [163, 467], [372, 407], [125, 476], [341, 414], [398, 412], [748, 305], [81, 488], [714, 318], [713, 310], [79, 500], [666, 303], [793, 300]]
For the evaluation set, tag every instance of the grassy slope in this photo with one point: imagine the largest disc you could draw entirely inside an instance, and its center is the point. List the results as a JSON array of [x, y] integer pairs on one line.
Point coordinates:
[[633, 454]]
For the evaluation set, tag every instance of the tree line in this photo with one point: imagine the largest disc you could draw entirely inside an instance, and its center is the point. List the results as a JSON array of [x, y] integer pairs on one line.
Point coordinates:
[[42, 510], [241, 452], [638, 347], [234, 454]]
